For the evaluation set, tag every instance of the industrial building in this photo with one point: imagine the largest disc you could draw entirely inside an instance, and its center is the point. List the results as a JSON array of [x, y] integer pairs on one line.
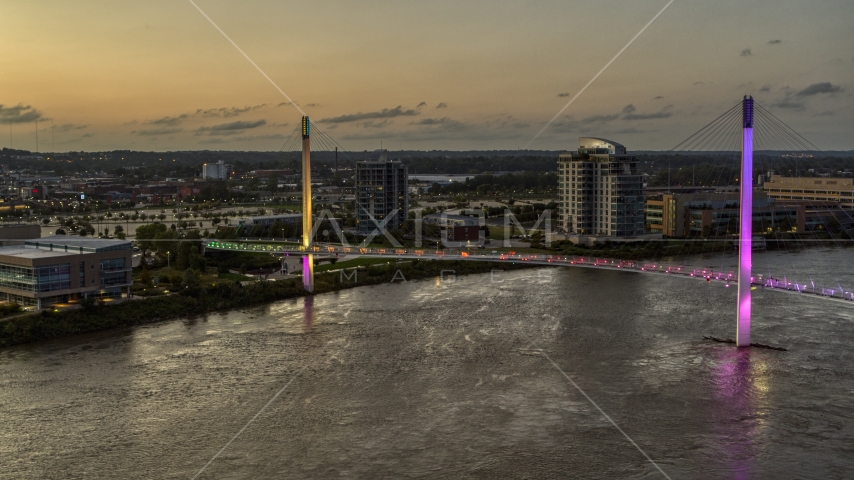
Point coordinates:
[[216, 171], [58, 269], [381, 190], [18, 233], [457, 228], [600, 190]]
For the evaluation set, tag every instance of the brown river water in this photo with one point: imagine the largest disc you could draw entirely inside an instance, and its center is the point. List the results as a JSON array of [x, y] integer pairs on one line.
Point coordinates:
[[444, 379]]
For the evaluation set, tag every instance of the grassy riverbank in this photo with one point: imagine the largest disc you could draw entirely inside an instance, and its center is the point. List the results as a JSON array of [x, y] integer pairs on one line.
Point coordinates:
[[223, 296]]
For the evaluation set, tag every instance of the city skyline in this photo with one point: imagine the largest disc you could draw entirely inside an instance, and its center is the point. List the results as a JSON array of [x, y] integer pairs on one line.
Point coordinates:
[[158, 76]]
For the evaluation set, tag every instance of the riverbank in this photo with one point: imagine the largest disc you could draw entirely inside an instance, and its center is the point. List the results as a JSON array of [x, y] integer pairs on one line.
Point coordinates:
[[224, 296]]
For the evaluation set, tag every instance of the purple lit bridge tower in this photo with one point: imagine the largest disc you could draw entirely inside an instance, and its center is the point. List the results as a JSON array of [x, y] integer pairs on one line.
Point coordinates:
[[745, 242]]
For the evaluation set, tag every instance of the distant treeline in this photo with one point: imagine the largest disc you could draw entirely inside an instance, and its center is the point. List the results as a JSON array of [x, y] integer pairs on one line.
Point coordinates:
[[187, 164], [500, 184], [717, 170]]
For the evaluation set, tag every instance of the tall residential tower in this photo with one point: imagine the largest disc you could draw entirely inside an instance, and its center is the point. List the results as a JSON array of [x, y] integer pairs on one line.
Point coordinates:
[[381, 189], [601, 190]]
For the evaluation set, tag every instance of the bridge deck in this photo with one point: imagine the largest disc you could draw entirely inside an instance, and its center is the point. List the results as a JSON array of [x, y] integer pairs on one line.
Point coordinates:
[[709, 275]]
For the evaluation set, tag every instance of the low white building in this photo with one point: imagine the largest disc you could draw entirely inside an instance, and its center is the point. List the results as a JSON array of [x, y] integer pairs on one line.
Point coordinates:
[[216, 171]]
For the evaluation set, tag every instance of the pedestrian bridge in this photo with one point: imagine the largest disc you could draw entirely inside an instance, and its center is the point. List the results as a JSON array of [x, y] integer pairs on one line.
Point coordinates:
[[728, 278]]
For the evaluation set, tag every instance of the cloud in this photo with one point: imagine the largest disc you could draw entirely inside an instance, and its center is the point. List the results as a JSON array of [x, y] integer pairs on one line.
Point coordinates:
[[789, 104], [377, 124], [504, 123], [69, 127], [630, 115], [568, 123], [826, 113], [442, 105], [600, 118], [774, 42], [436, 121], [766, 88], [564, 94], [746, 53], [230, 128], [19, 114], [283, 104], [818, 88], [157, 131], [422, 104], [659, 97], [87, 135], [446, 129], [629, 130], [170, 121], [228, 112], [384, 113], [647, 116], [174, 121], [699, 83], [317, 105], [275, 136]]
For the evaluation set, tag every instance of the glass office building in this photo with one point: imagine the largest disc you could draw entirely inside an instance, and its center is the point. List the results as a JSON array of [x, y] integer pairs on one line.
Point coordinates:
[[61, 268]]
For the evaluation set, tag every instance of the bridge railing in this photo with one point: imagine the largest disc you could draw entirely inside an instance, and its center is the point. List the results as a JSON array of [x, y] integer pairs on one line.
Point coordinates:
[[709, 274]]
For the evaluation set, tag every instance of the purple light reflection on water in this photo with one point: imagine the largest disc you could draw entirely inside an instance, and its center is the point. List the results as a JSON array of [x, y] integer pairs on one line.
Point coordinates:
[[735, 385]]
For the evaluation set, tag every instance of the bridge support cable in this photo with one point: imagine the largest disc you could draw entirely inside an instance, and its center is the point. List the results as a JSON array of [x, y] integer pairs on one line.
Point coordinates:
[[780, 137], [769, 117], [719, 137], [292, 143], [686, 145]]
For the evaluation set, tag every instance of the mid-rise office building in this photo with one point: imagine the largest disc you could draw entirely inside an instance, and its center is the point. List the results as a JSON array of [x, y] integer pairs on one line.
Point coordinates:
[[600, 190], [814, 189], [57, 269], [714, 213], [381, 190]]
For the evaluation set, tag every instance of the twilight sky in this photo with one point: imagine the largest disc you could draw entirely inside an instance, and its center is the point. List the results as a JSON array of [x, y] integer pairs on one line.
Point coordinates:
[[459, 75]]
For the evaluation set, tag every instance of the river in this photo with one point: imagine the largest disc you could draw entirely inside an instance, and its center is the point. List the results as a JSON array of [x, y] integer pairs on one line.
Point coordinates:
[[445, 379]]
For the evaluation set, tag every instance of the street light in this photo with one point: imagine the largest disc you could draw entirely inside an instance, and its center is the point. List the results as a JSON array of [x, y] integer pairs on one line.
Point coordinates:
[[168, 259]]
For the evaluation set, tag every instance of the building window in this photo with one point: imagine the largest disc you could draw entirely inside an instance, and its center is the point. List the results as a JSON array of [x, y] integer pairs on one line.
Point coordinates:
[[54, 277], [112, 264], [18, 277]]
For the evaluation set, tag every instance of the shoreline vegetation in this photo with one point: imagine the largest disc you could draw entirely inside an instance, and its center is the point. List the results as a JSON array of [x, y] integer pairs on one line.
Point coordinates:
[[229, 292], [225, 295]]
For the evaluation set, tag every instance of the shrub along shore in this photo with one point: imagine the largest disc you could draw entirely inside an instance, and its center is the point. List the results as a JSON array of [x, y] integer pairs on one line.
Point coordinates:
[[224, 296]]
